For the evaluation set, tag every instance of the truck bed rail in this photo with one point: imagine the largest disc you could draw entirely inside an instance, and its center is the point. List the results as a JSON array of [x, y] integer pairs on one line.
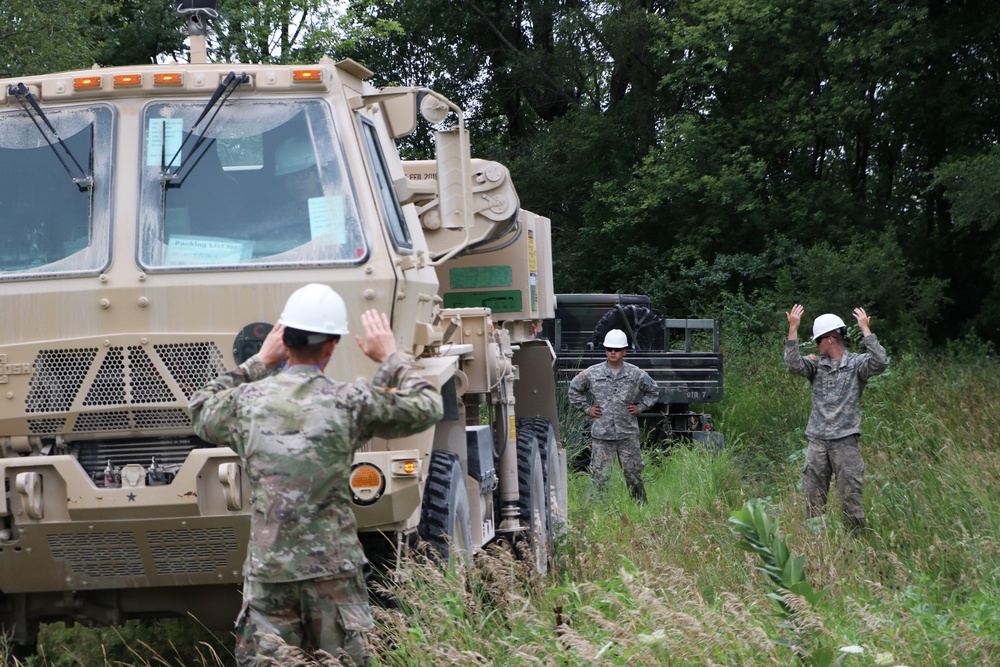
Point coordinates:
[[682, 377]]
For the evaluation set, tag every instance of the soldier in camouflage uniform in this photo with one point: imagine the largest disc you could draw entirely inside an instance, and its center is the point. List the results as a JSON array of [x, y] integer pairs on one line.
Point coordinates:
[[838, 378], [296, 431], [613, 393]]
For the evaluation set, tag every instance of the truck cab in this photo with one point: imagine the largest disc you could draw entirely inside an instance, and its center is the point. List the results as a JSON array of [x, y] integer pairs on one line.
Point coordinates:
[[156, 219]]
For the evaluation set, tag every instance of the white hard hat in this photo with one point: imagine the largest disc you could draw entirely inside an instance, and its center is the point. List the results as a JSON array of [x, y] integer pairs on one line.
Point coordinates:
[[826, 323], [315, 308], [293, 154], [616, 339]]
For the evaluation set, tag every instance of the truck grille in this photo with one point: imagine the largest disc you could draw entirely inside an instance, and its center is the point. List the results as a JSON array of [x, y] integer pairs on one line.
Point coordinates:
[[43, 426], [172, 552], [126, 376], [57, 377], [98, 554], [197, 550]]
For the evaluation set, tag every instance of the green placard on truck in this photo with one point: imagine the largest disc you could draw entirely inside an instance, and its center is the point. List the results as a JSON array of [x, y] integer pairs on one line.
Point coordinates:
[[499, 301], [481, 276]]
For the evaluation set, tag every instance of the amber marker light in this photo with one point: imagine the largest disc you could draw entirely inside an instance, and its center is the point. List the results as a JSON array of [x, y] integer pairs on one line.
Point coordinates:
[[307, 75], [168, 79], [365, 476], [405, 468], [82, 82], [367, 483], [122, 80]]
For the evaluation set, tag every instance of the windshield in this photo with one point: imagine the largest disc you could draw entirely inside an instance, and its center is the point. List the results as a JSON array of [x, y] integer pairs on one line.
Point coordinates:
[[49, 225], [265, 186]]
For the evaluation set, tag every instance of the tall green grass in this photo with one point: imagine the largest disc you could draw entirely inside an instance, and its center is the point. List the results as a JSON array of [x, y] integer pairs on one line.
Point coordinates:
[[665, 584]]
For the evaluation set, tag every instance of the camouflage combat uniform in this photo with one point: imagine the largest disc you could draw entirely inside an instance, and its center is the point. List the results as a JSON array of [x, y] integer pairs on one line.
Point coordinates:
[[834, 427], [615, 434], [296, 432]]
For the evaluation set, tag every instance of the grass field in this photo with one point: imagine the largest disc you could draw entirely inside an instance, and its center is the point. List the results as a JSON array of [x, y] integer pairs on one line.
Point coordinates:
[[667, 583]]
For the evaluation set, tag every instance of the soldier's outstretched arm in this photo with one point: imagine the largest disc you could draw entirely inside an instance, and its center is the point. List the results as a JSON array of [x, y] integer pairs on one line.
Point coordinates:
[[399, 401], [214, 406], [876, 360], [795, 363]]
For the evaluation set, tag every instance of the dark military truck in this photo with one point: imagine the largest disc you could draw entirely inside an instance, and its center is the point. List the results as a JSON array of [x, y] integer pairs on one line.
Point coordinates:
[[681, 355]]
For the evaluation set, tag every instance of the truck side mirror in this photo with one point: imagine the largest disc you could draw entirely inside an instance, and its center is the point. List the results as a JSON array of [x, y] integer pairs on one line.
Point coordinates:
[[400, 108]]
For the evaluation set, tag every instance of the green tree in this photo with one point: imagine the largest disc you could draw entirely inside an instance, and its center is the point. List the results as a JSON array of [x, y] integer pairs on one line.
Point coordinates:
[[949, 115], [798, 121], [278, 31], [51, 36], [694, 148], [564, 92], [138, 32], [972, 188]]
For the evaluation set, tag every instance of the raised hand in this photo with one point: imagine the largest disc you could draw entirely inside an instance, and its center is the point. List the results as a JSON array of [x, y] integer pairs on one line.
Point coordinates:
[[378, 342], [272, 350], [794, 319], [863, 320]]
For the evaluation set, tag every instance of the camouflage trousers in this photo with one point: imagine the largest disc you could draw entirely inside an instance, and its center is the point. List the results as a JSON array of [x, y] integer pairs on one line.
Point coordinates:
[[328, 614], [841, 457], [602, 456]]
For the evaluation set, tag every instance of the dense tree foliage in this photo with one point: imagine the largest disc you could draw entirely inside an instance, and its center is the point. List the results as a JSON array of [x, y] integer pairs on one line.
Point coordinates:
[[721, 152], [724, 156], [57, 35], [138, 31]]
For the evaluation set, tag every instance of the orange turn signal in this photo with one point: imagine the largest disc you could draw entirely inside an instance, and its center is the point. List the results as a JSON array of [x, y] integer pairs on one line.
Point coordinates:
[[168, 78], [87, 82], [307, 75], [127, 80], [405, 467]]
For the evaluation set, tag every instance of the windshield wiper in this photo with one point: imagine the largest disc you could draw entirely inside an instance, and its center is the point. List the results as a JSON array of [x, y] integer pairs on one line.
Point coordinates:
[[85, 181], [174, 178]]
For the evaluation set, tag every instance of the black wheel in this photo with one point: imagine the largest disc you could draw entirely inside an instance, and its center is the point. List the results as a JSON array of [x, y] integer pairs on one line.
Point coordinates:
[[444, 514], [555, 477], [646, 324], [533, 499]]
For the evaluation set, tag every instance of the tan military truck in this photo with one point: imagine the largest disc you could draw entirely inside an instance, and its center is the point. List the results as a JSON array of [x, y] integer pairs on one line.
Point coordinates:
[[155, 219]]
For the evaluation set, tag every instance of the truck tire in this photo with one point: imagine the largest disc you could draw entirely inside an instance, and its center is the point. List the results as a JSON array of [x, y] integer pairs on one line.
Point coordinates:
[[555, 478], [444, 514], [646, 324], [533, 500]]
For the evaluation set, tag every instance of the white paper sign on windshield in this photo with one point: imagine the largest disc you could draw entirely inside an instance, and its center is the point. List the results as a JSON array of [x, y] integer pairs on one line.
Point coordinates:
[[184, 250], [326, 216], [163, 141]]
